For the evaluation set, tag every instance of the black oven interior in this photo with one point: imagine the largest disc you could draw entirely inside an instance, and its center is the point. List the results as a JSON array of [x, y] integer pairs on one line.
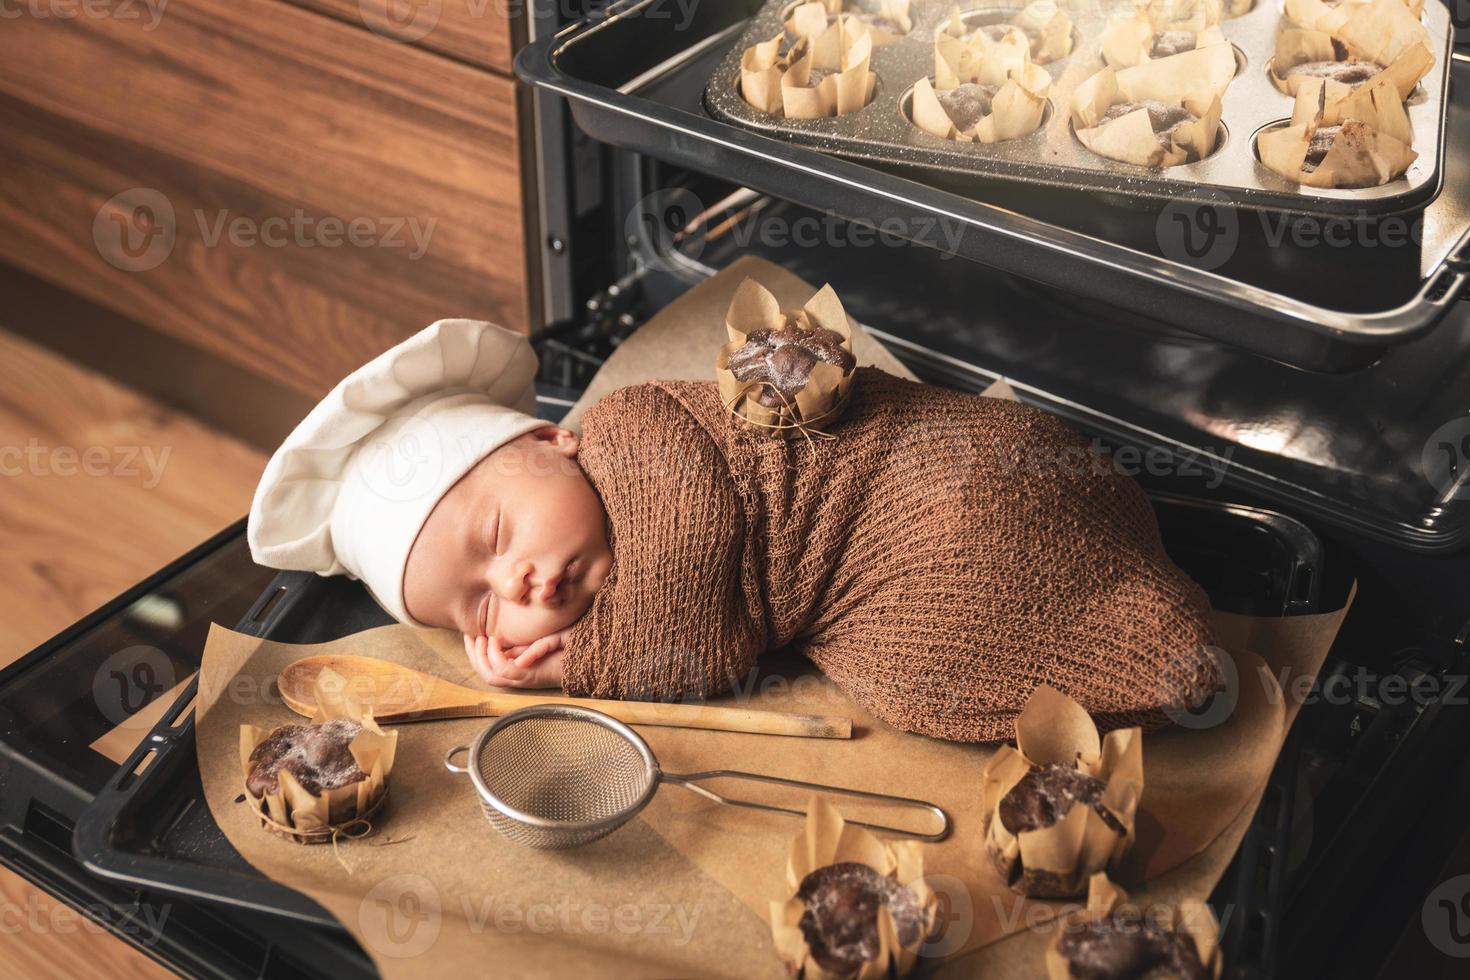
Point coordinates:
[[1350, 452]]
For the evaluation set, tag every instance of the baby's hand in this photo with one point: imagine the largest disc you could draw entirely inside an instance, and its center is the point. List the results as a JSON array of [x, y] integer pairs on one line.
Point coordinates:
[[537, 664]]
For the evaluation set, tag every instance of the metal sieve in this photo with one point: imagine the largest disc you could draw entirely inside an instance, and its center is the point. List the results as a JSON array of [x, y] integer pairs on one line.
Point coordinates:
[[553, 776]]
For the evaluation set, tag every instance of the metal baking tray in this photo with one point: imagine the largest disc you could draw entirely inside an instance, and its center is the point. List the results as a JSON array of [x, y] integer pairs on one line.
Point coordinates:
[[153, 830], [634, 75], [1053, 156]]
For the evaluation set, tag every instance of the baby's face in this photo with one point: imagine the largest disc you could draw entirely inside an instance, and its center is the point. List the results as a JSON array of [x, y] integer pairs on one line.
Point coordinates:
[[516, 549]]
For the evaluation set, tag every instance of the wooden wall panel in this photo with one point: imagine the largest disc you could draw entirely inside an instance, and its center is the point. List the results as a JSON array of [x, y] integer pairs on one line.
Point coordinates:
[[254, 119], [474, 31]]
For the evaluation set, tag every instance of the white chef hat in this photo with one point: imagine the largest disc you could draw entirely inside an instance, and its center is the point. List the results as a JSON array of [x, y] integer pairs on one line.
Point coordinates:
[[350, 488]]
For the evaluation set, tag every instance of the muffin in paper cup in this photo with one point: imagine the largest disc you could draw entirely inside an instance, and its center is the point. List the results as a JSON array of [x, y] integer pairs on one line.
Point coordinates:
[[1113, 940], [1181, 15], [1118, 113], [785, 371], [1131, 38], [829, 75], [1309, 55], [1361, 139], [1061, 805], [313, 782], [1043, 26], [1317, 15], [859, 908], [889, 22], [984, 90]]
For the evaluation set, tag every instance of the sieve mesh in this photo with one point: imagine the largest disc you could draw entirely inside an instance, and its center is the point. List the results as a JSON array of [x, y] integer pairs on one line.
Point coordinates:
[[575, 777]]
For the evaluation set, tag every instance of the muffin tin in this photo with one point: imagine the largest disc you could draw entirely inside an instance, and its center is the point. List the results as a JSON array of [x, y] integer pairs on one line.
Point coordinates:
[[883, 132]]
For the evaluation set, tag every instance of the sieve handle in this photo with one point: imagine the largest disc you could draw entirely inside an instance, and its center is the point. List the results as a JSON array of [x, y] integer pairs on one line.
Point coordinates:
[[449, 759], [690, 780]]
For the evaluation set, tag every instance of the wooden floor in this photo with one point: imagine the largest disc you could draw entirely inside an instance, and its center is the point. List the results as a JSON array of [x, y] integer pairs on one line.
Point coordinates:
[[98, 488]]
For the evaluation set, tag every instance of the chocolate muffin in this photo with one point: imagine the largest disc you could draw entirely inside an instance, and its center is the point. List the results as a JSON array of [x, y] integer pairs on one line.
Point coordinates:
[[782, 361], [316, 755], [967, 103], [1162, 117], [1168, 43], [1131, 948], [1045, 795], [1352, 73], [840, 922]]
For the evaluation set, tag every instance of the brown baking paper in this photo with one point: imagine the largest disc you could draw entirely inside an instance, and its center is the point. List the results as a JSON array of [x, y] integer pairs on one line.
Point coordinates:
[[828, 840], [1057, 861], [1372, 146], [1128, 38], [295, 813], [1193, 918], [1194, 79], [813, 18], [828, 387], [694, 879]]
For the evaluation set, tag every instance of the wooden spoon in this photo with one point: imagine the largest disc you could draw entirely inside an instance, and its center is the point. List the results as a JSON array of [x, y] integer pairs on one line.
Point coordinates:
[[399, 694]]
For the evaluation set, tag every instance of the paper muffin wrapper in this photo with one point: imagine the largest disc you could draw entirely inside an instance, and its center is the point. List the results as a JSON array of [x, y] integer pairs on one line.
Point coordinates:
[[761, 68], [1194, 79], [1373, 146], [1318, 16], [298, 815], [1183, 15], [1019, 104], [811, 19], [1103, 897], [844, 48], [1057, 861], [1128, 38], [1384, 32], [1044, 28], [828, 388], [827, 840]]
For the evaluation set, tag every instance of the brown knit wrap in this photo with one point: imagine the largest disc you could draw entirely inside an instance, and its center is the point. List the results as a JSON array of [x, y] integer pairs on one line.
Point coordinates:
[[938, 560]]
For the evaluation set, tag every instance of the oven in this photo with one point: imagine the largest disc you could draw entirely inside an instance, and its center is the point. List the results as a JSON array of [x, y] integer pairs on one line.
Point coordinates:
[[1287, 385]]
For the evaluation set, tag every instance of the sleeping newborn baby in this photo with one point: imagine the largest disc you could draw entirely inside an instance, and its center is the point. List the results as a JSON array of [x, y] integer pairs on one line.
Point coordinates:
[[938, 559]]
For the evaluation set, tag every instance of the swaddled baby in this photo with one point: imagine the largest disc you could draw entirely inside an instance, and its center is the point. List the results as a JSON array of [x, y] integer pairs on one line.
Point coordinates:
[[937, 559]]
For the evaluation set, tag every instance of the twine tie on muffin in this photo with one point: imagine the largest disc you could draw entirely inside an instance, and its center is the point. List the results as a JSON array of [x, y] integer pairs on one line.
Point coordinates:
[[357, 828], [804, 426]]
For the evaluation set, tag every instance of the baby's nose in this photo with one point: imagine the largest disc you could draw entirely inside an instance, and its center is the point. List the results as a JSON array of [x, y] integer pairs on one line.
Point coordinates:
[[548, 593]]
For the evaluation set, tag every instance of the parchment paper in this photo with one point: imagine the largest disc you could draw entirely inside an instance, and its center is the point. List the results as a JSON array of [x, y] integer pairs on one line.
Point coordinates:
[[684, 888]]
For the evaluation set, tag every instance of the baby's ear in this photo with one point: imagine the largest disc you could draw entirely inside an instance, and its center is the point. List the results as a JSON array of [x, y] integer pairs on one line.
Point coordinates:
[[564, 442]]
